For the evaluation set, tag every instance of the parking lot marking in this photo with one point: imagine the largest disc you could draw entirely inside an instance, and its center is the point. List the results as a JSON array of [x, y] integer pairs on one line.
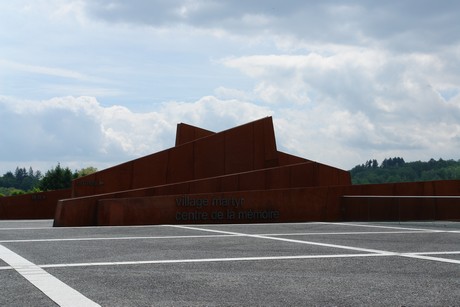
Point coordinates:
[[210, 236], [198, 260], [287, 240], [418, 256], [345, 233], [114, 238], [52, 287], [388, 253], [382, 226], [436, 253]]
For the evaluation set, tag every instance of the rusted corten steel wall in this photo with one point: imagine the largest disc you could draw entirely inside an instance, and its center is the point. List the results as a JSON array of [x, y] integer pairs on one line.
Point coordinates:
[[282, 205], [244, 148], [307, 174], [238, 159], [32, 206], [390, 207], [187, 133]]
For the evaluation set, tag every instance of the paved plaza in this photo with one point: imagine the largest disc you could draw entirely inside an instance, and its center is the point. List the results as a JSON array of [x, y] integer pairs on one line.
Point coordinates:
[[299, 264]]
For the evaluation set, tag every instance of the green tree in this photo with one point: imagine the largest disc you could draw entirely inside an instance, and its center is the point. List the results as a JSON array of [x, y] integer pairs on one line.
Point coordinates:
[[56, 179], [8, 180], [17, 192], [397, 170], [86, 171]]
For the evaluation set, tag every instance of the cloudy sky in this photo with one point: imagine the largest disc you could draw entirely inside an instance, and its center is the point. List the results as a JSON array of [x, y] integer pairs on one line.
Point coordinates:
[[96, 83]]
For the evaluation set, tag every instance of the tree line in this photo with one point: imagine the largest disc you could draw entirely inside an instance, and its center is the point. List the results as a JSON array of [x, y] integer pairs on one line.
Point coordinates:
[[397, 170], [23, 181]]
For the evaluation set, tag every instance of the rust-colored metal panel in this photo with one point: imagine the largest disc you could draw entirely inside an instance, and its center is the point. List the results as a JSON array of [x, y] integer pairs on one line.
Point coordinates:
[[304, 175], [278, 177], [252, 181], [115, 179], [328, 175], [229, 183], [151, 170], [401, 208], [75, 212], [239, 149], [205, 185], [181, 163], [344, 178], [354, 209], [136, 211], [109, 180], [447, 187], [287, 159], [177, 188], [84, 185], [447, 209], [416, 209], [271, 152], [409, 188], [187, 133], [31, 206], [288, 205], [266, 154], [334, 207], [209, 156]]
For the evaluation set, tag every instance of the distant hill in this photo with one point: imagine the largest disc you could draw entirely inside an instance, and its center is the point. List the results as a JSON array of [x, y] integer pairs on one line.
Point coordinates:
[[397, 170]]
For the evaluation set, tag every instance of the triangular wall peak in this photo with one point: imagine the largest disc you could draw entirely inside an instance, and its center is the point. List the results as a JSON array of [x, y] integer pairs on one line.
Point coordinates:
[[199, 154]]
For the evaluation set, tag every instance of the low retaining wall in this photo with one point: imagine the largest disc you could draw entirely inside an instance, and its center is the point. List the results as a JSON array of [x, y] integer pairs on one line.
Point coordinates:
[[32, 206], [261, 206]]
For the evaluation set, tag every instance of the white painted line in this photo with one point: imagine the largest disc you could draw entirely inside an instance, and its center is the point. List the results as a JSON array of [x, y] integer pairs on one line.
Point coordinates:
[[231, 259], [211, 236], [198, 260], [168, 261], [382, 226], [382, 252], [289, 240], [25, 228], [56, 290], [436, 253], [113, 238], [253, 224], [345, 233], [431, 258]]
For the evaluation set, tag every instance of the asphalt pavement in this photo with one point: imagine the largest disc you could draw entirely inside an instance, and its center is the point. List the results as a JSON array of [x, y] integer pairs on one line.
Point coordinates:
[[298, 264]]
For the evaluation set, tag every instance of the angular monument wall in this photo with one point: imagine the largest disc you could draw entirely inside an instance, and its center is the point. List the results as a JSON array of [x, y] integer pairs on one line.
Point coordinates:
[[243, 158], [308, 174], [244, 148]]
